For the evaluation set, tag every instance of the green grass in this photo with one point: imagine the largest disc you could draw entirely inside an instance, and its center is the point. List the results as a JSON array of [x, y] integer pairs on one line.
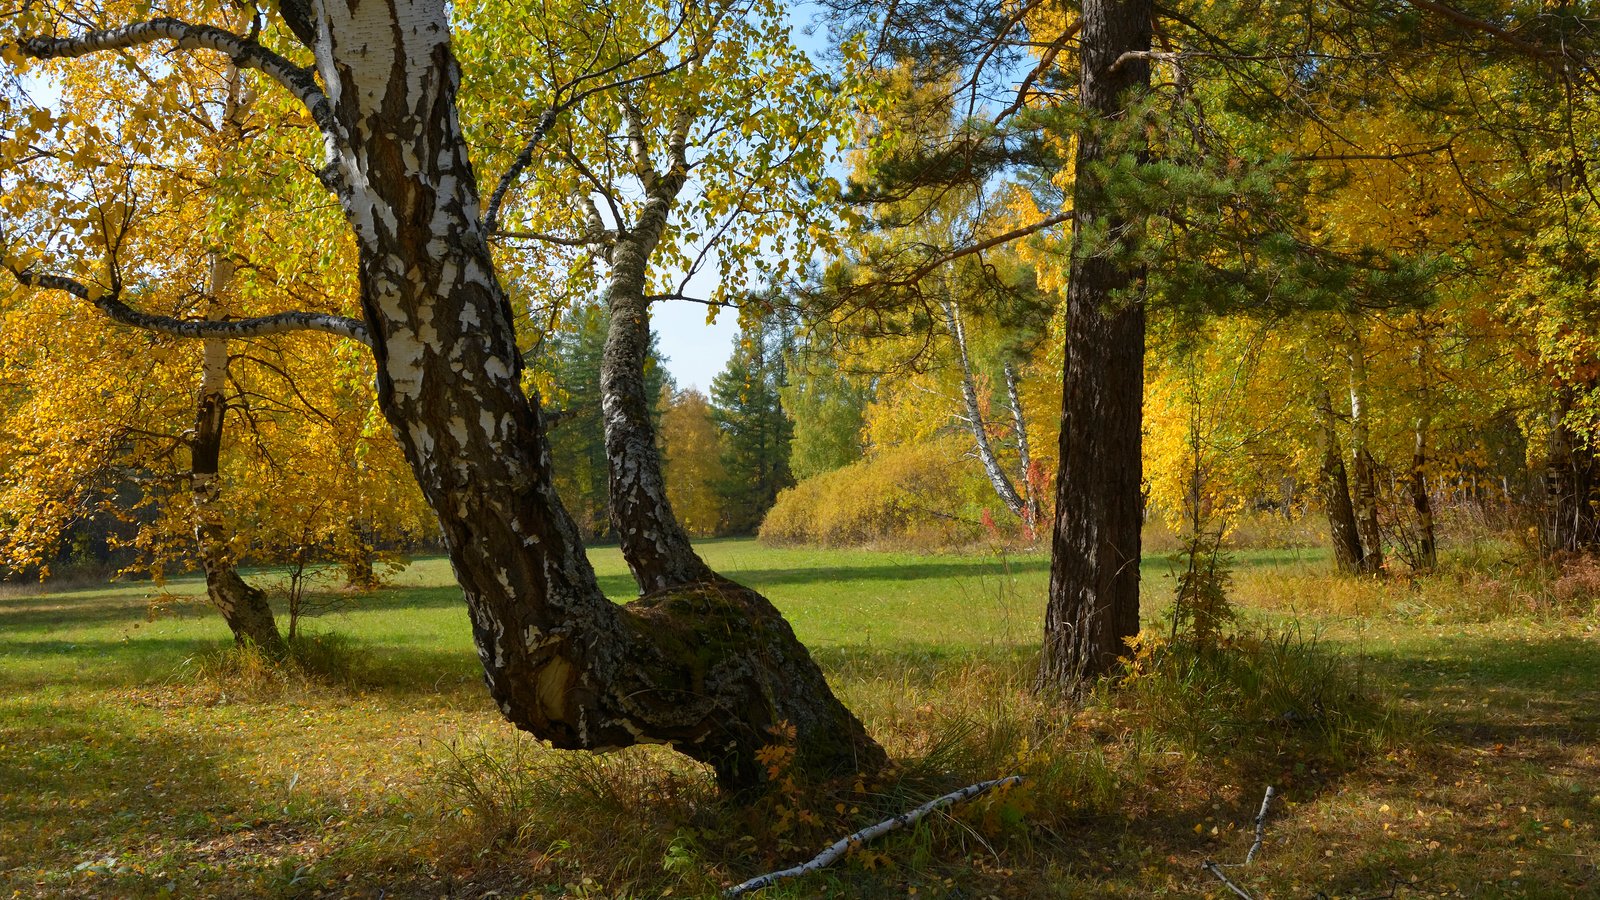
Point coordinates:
[[138, 758]]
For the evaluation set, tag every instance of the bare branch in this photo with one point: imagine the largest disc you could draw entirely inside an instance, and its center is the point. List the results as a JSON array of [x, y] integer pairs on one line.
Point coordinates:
[[245, 53], [1553, 56], [844, 845], [999, 239], [717, 304], [1261, 826], [111, 304], [589, 239]]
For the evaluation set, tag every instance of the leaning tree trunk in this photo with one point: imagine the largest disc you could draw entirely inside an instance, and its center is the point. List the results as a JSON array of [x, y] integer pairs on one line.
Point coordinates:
[[711, 669], [1019, 422], [979, 428], [1341, 512], [654, 543], [1093, 605]]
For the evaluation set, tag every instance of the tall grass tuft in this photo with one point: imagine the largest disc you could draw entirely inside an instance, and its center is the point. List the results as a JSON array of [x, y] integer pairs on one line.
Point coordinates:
[[314, 662], [1260, 697]]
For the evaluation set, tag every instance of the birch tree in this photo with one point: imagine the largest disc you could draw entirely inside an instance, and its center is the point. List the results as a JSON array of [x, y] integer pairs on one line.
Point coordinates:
[[710, 668]]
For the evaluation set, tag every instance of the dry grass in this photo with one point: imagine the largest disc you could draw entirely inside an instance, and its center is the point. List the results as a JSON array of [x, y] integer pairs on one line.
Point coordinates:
[[1438, 743]]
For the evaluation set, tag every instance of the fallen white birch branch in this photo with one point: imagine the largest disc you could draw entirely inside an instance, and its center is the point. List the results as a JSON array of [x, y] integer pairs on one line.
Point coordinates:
[[1261, 821], [1216, 870], [831, 855]]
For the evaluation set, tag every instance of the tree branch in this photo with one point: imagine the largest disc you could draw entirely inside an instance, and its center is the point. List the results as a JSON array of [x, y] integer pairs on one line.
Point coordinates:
[[110, 303], [831, 855], [979, 247], [1500, 34], [245, 53]]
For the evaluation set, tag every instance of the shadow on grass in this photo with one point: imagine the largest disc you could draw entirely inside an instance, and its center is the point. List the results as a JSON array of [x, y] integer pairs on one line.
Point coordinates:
[[95, 801]]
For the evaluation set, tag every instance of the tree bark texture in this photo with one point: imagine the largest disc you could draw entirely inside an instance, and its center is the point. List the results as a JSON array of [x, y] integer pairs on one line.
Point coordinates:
[[1347, 552], [243, 606], [1019, 422], [1093, 604], [1427, 543], [709, 669], [654, 543]]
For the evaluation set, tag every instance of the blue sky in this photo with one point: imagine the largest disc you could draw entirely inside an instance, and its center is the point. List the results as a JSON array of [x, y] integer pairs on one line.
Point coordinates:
[[695, 351]]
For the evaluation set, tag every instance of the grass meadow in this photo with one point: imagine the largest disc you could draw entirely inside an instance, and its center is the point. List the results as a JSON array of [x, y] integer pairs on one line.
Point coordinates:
[[1432, 737]]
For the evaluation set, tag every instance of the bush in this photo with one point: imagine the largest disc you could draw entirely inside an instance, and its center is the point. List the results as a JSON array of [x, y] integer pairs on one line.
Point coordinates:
[[923, 495], [1269, 697]]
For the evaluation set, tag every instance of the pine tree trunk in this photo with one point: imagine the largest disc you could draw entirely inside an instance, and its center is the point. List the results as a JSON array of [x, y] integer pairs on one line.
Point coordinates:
[[710, 669], [1093, 606], [1347, 550]]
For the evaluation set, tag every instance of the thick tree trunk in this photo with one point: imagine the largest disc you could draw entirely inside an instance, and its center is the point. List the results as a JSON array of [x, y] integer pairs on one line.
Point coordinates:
[[979, 428], [1363, 470], [710, 669], [1572, 484], [1346, 538], [1093, 605]]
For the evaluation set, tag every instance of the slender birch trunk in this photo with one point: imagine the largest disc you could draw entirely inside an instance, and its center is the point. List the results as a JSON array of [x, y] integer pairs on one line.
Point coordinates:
[[1030, 496], [243, 606], [975, 421]]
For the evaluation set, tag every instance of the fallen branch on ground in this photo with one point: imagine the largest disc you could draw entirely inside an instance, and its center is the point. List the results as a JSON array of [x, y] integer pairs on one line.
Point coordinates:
[[1261, 821], [832, 855], [1215, 868]]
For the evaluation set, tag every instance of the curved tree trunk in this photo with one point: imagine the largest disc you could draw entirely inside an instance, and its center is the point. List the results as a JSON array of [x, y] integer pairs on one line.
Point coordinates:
[[1347, 552], [710, 669], [654, 543], [1093, 605]]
